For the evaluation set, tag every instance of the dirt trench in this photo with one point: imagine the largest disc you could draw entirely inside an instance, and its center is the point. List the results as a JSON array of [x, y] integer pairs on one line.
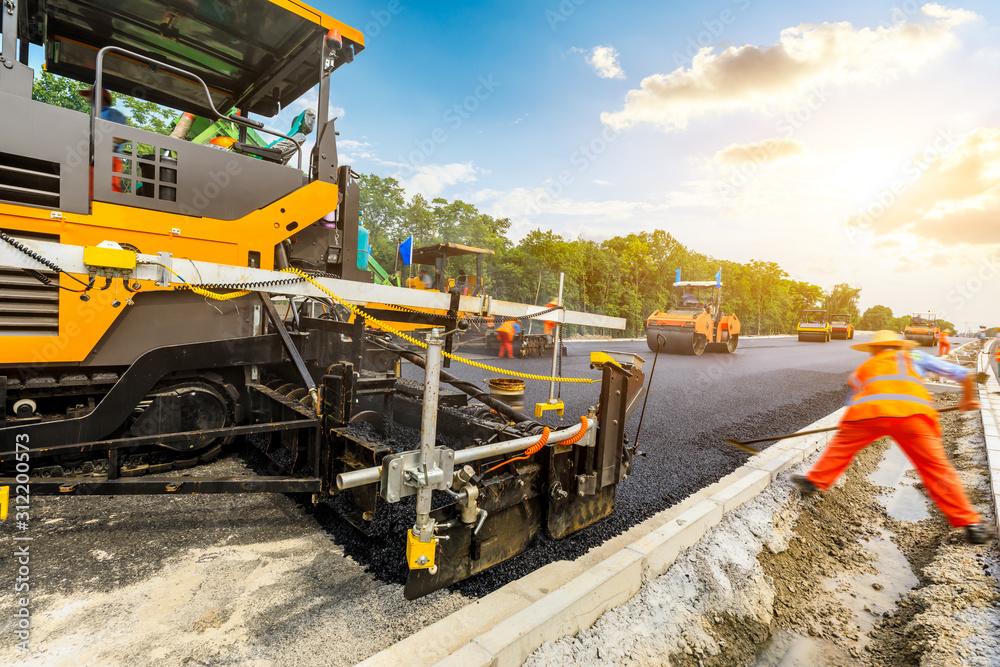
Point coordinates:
[[830, 581]]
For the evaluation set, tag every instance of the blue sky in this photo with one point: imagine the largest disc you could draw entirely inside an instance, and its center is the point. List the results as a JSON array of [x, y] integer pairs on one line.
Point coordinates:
[[778, 141]]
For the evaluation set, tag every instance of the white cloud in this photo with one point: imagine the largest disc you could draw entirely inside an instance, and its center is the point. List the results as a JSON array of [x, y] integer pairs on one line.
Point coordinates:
[[604, 60], [772, 78], [430, 180], [769, 150], [601, 181], [950, 196], [988, 54], [350, 150]]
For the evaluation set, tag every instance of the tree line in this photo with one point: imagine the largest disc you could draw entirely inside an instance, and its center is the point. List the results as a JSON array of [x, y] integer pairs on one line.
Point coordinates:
[[625, 276]]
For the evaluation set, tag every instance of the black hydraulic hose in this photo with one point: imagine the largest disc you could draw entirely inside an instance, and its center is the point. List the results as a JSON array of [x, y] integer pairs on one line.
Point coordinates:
[[660, 340], [469, 388]]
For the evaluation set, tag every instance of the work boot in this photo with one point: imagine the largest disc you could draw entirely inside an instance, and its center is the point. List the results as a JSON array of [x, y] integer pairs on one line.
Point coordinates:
[[979, 533], [805, 487]]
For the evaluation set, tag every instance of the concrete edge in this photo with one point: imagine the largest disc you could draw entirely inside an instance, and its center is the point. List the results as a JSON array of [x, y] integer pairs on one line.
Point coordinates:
[[987, 413], [576, 604]]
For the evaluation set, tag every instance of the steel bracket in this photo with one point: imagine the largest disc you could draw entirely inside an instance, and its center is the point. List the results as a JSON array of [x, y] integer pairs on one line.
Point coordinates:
[[402, 475], [163, 274], [586, 485]]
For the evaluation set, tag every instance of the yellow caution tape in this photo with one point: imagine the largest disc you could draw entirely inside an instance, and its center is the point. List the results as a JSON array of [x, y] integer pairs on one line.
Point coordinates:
[[358, 312]]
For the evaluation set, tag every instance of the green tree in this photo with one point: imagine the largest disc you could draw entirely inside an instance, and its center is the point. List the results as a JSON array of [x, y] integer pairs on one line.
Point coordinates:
[[765, 284], [843, 299], [383, 213], [59, 91], [147, 115], [876, 318]]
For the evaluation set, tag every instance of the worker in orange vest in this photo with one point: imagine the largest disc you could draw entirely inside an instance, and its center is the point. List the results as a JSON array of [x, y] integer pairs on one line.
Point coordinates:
[[944, 347], [888, 399], [550, 327], [505, 334]]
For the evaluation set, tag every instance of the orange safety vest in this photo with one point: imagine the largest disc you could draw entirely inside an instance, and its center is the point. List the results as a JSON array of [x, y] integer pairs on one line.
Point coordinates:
[[507, 327], [887, 386], [943, 337], [550, 326]]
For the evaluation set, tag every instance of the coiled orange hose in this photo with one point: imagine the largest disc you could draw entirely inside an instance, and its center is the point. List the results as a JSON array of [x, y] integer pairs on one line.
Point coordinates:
[[537, 447], [579, 436], [533, 449]]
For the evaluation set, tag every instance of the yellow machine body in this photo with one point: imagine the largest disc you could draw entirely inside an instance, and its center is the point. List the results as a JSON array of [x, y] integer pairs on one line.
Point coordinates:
[[83, 323]]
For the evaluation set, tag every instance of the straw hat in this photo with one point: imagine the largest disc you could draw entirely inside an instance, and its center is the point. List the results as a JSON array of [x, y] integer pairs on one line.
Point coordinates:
[[884, 340]]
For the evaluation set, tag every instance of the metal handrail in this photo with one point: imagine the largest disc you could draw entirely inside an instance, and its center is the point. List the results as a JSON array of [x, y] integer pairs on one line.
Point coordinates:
[[98, 92]]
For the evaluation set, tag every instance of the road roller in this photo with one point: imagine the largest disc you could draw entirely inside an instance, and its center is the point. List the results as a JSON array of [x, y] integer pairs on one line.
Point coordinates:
[[814, 327], [841, 327], [923, 328], [164, 303], [695, 324]]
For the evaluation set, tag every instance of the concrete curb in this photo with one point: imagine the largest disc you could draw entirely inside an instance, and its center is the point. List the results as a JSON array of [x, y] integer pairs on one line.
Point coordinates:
[[505, 627], [988, 413]]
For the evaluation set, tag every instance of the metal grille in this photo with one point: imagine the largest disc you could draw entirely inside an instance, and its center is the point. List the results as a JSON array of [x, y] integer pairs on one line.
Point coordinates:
[[145, 171], [25, 180], [28, 307]]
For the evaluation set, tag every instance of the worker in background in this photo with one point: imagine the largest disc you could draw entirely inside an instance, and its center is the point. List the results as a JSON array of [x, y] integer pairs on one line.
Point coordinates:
[[888, 399], [426, 279], [550, 327], [505, 335], [110, 113], [944, 347]]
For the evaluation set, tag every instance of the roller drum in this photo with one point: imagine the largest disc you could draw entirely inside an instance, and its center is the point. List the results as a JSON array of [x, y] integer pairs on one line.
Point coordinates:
[[676, 342], [728, 347]]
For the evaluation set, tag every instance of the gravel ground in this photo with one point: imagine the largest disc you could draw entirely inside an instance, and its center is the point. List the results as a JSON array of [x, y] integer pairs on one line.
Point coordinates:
[[830, 581], [268, 579]]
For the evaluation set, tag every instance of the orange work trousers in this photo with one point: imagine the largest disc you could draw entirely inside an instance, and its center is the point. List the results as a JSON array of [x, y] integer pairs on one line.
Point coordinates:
[[919, 437], [943, 348], [506, 339]]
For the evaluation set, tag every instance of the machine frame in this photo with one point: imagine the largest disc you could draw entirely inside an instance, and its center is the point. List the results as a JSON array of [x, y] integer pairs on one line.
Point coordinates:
[[140, 328]]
